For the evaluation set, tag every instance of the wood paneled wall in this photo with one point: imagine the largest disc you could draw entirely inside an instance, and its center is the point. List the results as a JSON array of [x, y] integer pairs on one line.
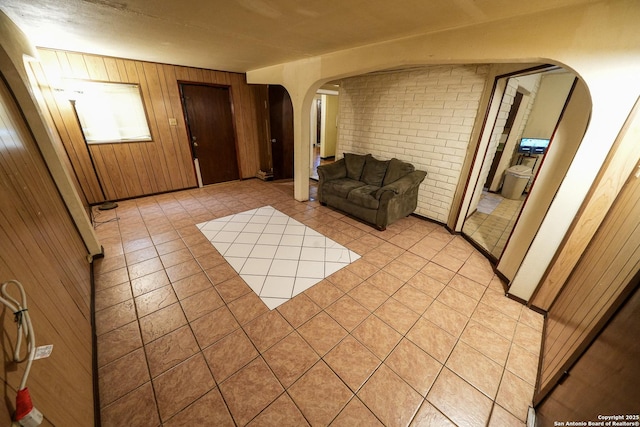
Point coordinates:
[[124, 170], [620, 162], [605, 379], [41, 247], [602, 279]]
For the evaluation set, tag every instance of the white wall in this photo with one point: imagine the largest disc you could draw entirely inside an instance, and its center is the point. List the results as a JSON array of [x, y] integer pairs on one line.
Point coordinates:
[[554, 89], [526, 273], [598, 41], [546, 111], [423, 116]]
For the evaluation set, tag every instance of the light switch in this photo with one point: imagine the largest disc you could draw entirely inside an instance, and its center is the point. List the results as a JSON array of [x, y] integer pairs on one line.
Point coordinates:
[[173, 121]]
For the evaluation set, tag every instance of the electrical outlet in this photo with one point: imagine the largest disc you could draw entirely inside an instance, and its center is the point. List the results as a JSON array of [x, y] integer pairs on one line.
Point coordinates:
[[173, 122]]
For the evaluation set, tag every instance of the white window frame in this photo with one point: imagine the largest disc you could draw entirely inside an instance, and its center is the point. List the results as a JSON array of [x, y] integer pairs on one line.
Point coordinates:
[[110, 113]]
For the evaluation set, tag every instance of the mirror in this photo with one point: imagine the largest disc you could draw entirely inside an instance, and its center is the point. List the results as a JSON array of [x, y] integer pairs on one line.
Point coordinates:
[[530, 108]]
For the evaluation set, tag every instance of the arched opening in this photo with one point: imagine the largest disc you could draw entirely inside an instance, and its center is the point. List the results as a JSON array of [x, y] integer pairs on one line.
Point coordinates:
[[323, 123], [439, 118]]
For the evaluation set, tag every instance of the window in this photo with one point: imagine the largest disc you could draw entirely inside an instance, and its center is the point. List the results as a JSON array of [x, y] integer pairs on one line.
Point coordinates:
[[110, 112]]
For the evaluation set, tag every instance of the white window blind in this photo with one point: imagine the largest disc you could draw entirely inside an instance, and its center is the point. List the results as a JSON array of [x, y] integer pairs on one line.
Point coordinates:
[[111, 112]]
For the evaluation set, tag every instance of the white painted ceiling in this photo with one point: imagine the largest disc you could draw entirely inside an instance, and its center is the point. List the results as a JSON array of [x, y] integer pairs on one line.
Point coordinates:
[[241, 35]]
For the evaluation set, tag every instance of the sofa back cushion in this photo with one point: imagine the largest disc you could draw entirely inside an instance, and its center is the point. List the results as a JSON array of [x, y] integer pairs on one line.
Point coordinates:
[[396, 170], [355, 164], [374, 171]]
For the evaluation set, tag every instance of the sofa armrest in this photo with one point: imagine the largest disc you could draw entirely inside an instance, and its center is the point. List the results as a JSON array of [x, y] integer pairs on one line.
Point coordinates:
[[403, 184], [335, 170]]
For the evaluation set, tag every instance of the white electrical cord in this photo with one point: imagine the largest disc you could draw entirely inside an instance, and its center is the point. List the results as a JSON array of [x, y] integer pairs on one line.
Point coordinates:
[[23, 320]]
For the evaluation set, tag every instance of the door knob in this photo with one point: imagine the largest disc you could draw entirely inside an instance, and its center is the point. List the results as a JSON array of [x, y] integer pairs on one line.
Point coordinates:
[[273, 140]]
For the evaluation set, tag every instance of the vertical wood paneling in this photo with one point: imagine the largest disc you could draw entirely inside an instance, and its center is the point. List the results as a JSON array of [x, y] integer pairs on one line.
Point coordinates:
[[122, 70], [249, 156], [141, 168], [180, 130], [77, 66], [620, 161], [605, 379], [163, 99], [96, 68], [65, 122], [111, 65], [57, 142], [163, 133], [595, 288], [63, 61], [138, 151], [40, 247]]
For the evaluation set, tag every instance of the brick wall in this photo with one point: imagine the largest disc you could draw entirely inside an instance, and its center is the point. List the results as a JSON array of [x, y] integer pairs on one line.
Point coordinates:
[[424, 116]]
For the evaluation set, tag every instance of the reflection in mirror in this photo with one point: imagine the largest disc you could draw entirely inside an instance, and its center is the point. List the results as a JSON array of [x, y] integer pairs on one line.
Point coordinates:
[[528, 114]]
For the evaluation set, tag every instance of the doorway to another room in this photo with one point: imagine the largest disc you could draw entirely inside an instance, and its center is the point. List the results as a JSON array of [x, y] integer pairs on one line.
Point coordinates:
[[324, 127], [523, 126], [281, 131]]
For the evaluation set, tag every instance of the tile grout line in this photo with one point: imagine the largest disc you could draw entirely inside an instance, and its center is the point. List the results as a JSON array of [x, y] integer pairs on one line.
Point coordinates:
[[349, 333]]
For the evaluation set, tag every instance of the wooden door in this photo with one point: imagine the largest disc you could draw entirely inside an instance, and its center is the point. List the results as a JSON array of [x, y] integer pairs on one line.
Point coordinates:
[[210, 123], [281, 123], [599, 283]]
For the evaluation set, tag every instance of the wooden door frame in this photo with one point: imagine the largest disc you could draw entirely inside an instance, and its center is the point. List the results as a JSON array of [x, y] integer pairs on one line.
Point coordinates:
[[188, 127], [483, 125]]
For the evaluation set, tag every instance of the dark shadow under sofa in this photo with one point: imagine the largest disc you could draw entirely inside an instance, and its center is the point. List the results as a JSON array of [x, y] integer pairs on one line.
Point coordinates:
[[376, 191]]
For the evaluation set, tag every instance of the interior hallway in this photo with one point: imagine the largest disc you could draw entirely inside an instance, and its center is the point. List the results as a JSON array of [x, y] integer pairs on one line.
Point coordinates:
[[317, 161], [416, 332]]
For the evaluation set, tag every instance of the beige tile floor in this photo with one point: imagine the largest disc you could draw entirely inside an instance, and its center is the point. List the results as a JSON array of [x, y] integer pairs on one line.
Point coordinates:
[[416, 332], [491, 230]]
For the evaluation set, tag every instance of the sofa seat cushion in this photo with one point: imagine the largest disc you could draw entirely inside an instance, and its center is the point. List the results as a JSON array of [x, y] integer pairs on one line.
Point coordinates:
[[364, 196], [342, 187]]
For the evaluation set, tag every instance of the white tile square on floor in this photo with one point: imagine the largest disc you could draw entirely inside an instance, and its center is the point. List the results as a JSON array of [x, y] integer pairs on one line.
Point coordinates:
[[277, 256], [283, 267], [288, 252], [278, 287]]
